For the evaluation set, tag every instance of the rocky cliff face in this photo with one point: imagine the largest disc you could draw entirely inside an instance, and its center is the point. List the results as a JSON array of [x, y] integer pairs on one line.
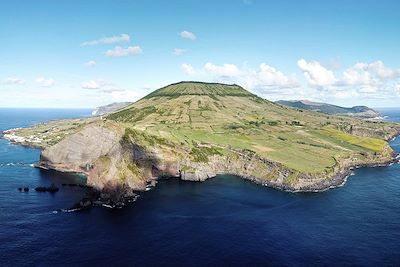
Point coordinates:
[[80, 151], [385, 133], [111, 157], [100, 152], [250, 166]]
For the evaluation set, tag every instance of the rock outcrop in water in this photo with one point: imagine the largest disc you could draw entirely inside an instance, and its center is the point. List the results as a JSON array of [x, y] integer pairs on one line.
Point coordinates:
[[52, 188]]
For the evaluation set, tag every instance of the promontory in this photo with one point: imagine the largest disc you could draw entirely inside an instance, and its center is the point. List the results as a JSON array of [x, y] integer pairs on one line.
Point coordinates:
[[196, 130]]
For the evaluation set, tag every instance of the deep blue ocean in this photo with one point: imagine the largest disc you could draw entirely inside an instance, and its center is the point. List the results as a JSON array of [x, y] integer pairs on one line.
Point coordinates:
[[224, 221]]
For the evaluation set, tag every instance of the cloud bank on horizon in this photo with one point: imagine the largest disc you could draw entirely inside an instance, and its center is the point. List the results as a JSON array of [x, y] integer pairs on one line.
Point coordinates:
[[346, 55], [362, 80]]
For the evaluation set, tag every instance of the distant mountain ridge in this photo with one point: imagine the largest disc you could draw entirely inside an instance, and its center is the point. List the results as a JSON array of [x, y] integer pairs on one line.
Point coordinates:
[[356, 111], [102, 110]]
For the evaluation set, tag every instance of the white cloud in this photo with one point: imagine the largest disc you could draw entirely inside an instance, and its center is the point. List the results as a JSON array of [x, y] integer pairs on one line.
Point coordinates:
[[44, 82], [15, 80], [227, 70], [109, 40], [122, 52], [266, 80], [270, 83], [90, 63], [369, 78], [346, 94], [119, 95], [377, 68], [396, 89], [364, 77], [179, 51], [188, 35], [269, 76], [112, 90], [188, 69], [369, 74], [360, 82], [357, 76], [316, 74], [93, 84]]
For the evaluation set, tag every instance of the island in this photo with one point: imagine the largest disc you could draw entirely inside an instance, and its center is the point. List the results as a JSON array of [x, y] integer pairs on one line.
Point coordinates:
[[197, 130]]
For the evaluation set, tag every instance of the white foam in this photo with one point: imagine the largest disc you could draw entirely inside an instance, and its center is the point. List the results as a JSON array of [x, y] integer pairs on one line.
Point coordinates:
[[70, 210]]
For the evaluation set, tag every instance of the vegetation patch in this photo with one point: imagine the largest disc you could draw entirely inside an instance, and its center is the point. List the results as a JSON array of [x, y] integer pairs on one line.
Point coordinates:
[[372, 144], [200, 88], [140, 137], [187, 169], [134, 169], [201, 153], [292, 179], [132, 114]]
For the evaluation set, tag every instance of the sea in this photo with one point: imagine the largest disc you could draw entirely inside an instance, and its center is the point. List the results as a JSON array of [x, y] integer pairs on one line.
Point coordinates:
[[225, 221]]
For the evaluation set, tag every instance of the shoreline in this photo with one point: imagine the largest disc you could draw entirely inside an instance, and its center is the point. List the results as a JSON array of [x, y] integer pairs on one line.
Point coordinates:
[[337, 180], [3, 135]]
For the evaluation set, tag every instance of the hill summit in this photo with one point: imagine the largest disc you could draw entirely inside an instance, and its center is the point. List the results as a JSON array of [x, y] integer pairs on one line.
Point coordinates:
[[200, 88]]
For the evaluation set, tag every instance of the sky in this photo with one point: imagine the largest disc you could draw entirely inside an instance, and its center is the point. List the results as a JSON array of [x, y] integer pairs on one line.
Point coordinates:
[[79, 54]]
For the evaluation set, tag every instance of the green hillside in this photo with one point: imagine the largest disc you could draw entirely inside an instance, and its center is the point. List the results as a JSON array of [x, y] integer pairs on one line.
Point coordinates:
[[228, 117], [200, 88]]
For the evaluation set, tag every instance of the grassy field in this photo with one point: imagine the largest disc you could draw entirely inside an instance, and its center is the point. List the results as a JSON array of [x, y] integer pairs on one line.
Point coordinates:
[[368, 143]]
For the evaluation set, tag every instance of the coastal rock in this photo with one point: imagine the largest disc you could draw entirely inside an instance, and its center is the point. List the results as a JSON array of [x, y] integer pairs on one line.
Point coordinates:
[[109, 197], [85, 203], [52, 188]]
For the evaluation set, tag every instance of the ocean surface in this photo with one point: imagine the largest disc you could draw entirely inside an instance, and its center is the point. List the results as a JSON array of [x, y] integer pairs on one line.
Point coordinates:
[[224, 221]]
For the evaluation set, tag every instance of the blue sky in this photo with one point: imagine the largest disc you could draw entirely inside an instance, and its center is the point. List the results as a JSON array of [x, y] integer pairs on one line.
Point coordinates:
[[90, 53]]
